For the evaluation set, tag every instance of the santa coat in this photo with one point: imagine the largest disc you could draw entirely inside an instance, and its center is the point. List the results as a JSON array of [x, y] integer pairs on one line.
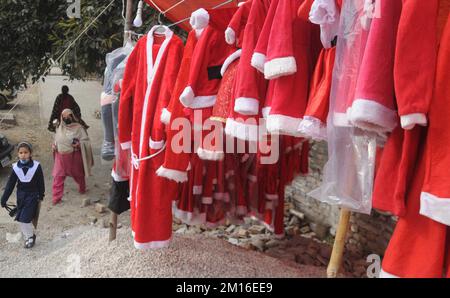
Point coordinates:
[[374, 106], [176, 163], [325, 13], [208, 59], [420, 244], [147, 85], [413, 69], [435, 197], [250, 87], [292, 40]]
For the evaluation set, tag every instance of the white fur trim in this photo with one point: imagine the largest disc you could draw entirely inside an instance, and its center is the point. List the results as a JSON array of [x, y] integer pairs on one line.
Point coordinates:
[[230, 36], [246, 106], [198, 33], [410, 120], [282, 124], [313, 128], [258, 61], [265, 112], [152, 244], [241, 3], [199, 19], [241, 130], [189, 100], [279, 67], [117, 177], [175, 175], [209, 154], [197, 189], [156, 144], [229, 60], [187, 97], [126, 145], [384, 274], [272, 197], [435, 208], [372, 116], [165, 116], [190, 218], [207, 200]]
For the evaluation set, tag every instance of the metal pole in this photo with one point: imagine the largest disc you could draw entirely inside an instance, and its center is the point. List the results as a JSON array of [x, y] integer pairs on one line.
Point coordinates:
[[128, 24]]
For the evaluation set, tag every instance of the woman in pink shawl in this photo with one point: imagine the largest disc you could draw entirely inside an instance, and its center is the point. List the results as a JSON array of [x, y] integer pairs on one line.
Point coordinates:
[[72, 153]]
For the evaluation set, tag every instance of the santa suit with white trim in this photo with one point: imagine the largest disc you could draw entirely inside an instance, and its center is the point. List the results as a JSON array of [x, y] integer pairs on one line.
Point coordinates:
[[147, 85], [374, 106], [250, 88], [293, 47], [325, 13], [420, 245], [204, 81]]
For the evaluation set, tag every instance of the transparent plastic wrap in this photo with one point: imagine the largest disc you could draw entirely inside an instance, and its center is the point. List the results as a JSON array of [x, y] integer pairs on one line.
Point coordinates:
[[122, 157], [349, 173]]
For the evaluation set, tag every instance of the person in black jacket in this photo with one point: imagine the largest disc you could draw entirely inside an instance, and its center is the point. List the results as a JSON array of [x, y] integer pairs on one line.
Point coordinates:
[[64, 101], [27, 174]]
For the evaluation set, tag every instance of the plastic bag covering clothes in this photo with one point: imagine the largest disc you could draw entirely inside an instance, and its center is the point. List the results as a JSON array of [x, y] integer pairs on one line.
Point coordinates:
[[123, 157], [349, 172], [113, 59]]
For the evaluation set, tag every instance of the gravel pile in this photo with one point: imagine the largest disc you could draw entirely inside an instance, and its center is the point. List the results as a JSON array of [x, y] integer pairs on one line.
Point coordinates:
[[85, 252]]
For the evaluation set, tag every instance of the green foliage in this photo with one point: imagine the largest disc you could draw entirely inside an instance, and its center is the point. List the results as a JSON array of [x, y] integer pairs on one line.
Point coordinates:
[[33, 32]]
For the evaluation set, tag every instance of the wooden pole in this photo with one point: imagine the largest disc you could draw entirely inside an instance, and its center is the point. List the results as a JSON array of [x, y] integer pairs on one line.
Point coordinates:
[[128, 24], [339, 244]]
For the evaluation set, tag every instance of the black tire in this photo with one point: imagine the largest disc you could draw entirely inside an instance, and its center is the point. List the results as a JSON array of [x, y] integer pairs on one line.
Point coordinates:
[[3, 101]]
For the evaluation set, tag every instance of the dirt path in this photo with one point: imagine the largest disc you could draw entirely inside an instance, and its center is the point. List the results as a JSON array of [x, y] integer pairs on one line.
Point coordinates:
[[67, 235]]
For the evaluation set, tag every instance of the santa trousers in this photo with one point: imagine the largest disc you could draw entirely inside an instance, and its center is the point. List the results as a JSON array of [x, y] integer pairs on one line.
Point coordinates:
[[420, 246], [58, 186]]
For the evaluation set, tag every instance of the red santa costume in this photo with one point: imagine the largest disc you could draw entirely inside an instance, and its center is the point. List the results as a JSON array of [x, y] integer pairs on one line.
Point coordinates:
[[291, 54], [325, 13], [147, 85], [209, 56], [420, 245], [374, 107], [250, 88]]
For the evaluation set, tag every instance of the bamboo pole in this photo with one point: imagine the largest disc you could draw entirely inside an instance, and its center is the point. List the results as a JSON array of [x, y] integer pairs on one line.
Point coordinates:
[[339, 244], [128, 24]]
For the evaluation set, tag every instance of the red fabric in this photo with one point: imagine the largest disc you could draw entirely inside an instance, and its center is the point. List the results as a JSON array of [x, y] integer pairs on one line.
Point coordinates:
[[438, 160], [418, 247], [293, 38], [415, 56], [151, 196], [58, 187], [320, 88], [70, 164], [239, 21], [174, 160], [184, 10], [209, 54], [397, 167], [374, 104]]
